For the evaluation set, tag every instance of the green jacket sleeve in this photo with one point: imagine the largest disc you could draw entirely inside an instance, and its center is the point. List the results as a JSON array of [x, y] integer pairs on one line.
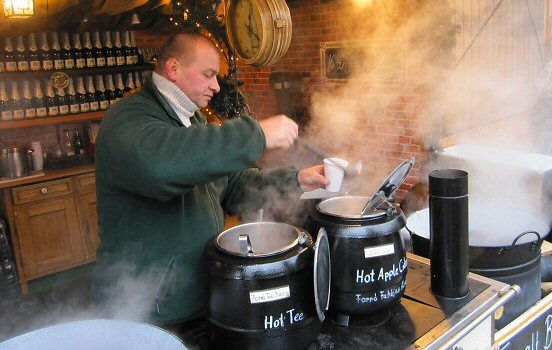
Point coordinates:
[[143, 153]]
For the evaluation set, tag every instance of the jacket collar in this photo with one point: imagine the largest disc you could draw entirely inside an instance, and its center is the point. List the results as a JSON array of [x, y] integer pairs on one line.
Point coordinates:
[[152, 90]]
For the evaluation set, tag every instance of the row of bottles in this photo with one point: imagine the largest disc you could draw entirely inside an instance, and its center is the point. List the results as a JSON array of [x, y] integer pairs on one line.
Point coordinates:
[[92, 93], [85, 50]]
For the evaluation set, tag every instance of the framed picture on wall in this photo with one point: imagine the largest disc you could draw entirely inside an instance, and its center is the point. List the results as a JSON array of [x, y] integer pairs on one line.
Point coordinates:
[[378, 60]]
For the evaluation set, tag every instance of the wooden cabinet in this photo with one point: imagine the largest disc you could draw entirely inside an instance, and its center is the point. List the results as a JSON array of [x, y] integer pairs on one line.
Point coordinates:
[[53, 224]]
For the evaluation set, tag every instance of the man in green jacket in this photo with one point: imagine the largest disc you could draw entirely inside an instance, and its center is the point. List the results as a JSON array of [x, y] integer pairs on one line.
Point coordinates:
[[165, 178]]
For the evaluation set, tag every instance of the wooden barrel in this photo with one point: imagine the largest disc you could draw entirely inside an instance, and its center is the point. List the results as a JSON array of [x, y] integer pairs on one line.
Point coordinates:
[[275, 33]]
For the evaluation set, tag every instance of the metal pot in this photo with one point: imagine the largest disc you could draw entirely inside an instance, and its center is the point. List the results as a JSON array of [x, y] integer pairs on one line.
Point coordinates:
[[268, 286], [369, 264], [503, 245]]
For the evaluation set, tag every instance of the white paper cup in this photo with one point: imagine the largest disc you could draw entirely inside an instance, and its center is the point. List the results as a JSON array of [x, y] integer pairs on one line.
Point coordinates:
[[38, 160], [334, 169]]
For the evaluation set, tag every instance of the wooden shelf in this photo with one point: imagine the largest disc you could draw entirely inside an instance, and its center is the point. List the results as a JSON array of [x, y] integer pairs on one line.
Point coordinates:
[[78, 72], [24, 123]]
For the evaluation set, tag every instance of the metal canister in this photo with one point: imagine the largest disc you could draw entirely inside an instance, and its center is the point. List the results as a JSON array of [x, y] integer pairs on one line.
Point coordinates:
[[18, 159]]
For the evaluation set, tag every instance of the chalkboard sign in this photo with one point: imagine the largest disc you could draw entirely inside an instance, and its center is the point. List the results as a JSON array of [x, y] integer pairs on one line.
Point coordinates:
[[381, 61], [531, 331]]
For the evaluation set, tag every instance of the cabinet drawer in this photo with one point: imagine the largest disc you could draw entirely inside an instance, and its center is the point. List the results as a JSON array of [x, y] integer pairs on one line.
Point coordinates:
[[86, 182], [40, 191]]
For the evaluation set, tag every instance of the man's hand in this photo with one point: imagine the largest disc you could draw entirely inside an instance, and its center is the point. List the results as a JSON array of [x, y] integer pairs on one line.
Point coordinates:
[[280, 131], [312, 178]]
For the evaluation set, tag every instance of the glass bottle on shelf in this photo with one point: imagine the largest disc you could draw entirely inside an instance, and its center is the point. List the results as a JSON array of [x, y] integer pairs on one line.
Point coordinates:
[[129, 85], [118, 51], [57, 56], [100, 93], [72, 98], [62, 101], [110, 89], [11, 63], [53, 109], [119, 87], [15, 104], [108, 50], [68, 55], [34, 60], [68, 147], [133, 48], [2, 60], [137, 80], [91, 94], [78, 143], [80, 60], [127, 50], [84, 105], [4, 103], [21, 55], [98, 51], [39, 101], [28, 105], [44, 54], [88, 52]]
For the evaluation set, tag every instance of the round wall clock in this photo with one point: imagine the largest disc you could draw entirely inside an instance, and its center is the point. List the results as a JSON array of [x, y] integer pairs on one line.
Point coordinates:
[[259, 31]]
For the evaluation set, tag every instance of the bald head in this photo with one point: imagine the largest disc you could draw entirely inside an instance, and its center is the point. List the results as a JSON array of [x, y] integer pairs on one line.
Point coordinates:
[[183, 47]]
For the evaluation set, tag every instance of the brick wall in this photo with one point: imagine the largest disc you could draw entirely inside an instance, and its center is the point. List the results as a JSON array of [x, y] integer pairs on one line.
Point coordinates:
[[383, 134]]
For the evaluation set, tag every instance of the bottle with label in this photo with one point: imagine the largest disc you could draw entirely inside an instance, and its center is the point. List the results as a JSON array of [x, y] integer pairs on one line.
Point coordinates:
[[91, 94], [55, 51], [15, 104], [39, 101], [68, 55], [88, 52], [100, 93], [79, 145], [21, 55], [110, 89], [53, 108], [108, 50], [84, 105], [4, 103], [28, 105], [62, 101], [127, 49], [119, 87], [11, 63], [72, 98], [2, 60], [118, 51], [68, 147], [137, 80], [44, 53], [129, 85], [80, 60], [98, 51], [133, 47], [34, 60]]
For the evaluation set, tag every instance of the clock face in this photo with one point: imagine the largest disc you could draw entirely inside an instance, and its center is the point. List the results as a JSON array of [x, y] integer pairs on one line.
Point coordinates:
[[246, 28]]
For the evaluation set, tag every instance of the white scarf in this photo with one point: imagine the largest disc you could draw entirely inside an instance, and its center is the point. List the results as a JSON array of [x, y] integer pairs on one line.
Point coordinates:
[[177, 99]]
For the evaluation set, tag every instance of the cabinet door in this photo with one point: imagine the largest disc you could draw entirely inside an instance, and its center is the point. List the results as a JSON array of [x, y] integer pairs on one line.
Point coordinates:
[[88, 215], [49, 236]]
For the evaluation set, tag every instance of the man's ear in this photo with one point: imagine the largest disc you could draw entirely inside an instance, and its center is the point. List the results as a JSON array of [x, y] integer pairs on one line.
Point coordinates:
[[171, 69]]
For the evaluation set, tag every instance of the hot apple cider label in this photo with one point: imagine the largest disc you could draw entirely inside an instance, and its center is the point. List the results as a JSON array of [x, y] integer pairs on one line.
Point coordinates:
[[381, 282]]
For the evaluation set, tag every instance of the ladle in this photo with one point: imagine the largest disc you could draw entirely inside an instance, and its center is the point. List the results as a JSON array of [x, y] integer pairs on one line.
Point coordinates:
[[350, 170]]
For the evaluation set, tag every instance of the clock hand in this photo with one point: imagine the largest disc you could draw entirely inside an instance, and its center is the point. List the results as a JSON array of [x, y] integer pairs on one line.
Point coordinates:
[[252, 32]]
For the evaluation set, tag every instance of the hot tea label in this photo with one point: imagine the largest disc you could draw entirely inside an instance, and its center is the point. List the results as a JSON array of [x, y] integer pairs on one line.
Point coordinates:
[[381, 274], [380, 250], [284, 319], [268, 295]]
